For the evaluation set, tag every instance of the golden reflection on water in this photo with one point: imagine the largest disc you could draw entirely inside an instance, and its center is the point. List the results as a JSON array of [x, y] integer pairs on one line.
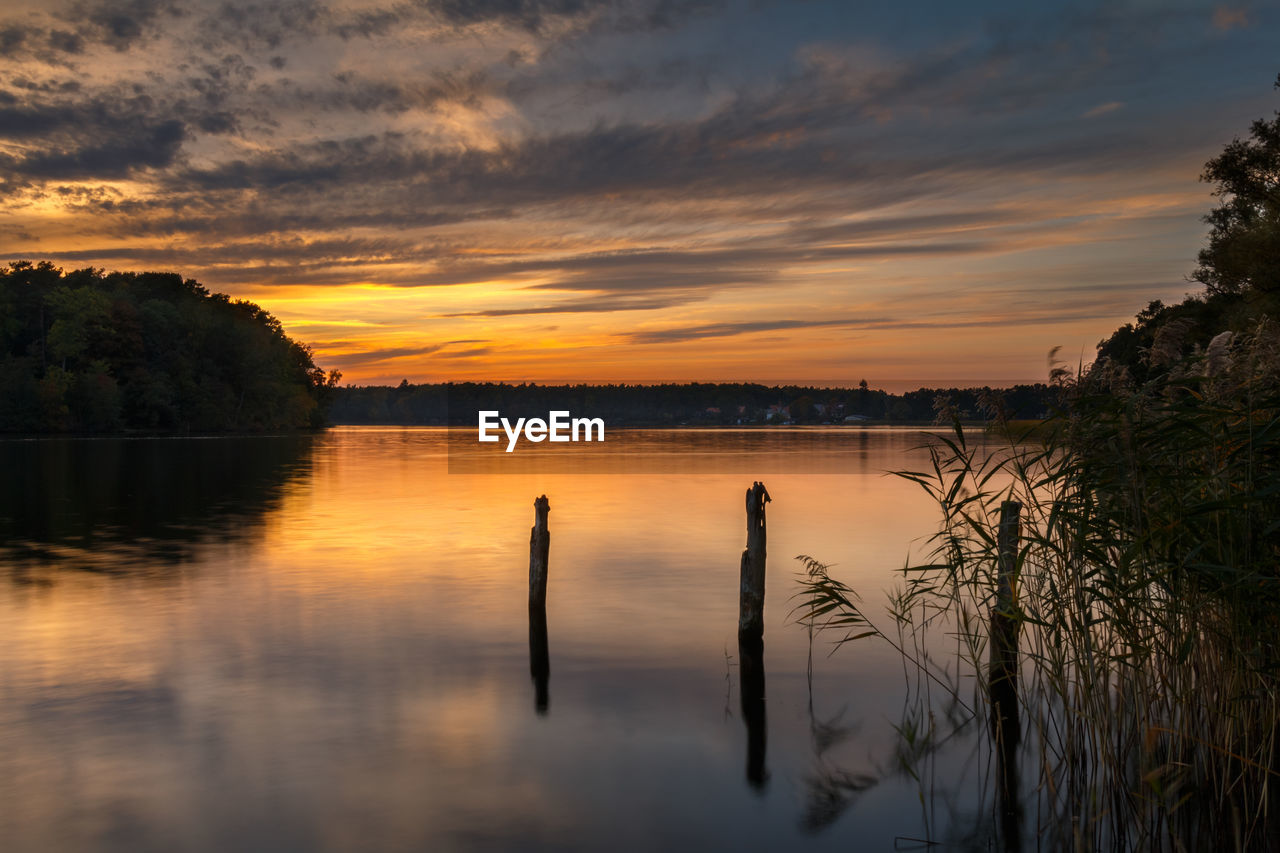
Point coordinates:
[[341, 658]]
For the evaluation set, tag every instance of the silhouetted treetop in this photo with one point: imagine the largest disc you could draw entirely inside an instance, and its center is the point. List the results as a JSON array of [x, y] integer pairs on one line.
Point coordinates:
[[1244, 243]]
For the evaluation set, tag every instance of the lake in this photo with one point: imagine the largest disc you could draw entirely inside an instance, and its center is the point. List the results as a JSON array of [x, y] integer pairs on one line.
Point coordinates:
[[322, 642]]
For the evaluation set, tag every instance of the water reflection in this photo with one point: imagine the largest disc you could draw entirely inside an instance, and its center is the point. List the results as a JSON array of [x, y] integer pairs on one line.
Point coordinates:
[[830, 790], [1006, 738], [830, 793], [1008, 803], [539, 658], [345, 665], [134, 505], [751, 688], [721, 450]]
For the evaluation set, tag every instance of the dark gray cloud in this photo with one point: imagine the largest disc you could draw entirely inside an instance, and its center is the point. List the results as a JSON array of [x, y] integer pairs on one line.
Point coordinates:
[[253, 26], [669, 14], [725, 330], [120, 23], [65, 41], [535, 16], [12, 38], [88, 118], [374, 356], [274, 25], [378, 355], [352, 91], [681, 334], [148, 146], [296, 251], [529, 14], [366, 23], [596, 305], [68, 133], [69, 32]]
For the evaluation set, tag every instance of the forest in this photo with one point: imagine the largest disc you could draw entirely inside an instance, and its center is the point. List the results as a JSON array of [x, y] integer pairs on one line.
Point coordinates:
[[92, 352]]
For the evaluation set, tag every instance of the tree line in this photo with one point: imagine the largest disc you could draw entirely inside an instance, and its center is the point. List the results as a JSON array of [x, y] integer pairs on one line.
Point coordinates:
[[683, 404], [87, 351]]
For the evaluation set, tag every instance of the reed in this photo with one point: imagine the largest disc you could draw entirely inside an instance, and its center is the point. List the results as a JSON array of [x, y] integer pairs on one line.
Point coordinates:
[[1148, 595]]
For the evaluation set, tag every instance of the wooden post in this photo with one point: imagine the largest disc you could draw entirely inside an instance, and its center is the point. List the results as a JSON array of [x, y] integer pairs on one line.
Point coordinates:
[[539, 653], [751, 592], [539, 544], [1002, 674]]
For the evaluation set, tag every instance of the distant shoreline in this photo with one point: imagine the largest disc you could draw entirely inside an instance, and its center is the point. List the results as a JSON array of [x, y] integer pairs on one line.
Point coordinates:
[[711, 427], [690, 404]]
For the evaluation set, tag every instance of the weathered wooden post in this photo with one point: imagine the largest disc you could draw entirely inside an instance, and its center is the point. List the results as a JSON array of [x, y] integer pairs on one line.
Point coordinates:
[[539, 544], [539, 652], [1002, 676], [751, 593], [751, 636], [1005, 623]]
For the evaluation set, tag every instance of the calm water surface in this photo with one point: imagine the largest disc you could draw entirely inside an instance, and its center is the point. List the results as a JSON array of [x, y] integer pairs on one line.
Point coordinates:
[[322, 643]]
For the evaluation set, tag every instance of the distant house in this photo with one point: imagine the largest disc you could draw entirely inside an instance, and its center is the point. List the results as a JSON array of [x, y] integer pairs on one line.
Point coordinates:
[[853, 419], [778, 413], [713, 410]]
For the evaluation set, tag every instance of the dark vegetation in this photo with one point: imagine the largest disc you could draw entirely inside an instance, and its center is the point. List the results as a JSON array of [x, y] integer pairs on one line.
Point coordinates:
[[692, 404], [123, 506], [90, 352], [1148, 577]]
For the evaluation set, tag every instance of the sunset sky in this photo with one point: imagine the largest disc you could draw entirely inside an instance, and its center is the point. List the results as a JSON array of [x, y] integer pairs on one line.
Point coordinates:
[[641, 191]]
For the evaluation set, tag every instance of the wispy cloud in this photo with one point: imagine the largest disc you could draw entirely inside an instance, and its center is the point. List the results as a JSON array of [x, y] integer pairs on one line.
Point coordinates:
[[724, 330], [1228, 18], [1103, 109]]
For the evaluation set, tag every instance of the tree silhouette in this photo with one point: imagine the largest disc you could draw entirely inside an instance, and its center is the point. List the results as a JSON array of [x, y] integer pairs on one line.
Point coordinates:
[[87, 351], [1244, 243]]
